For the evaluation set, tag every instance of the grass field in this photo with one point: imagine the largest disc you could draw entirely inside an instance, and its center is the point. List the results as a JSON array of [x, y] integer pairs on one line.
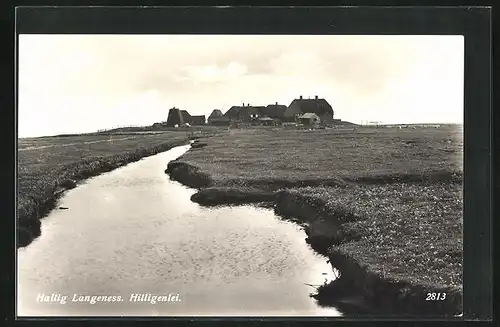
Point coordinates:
[[260, 157], [388, 199], [49, 165], [404, 231]]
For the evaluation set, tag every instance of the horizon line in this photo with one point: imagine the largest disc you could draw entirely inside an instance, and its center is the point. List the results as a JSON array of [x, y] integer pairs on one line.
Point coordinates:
[[142, 126]]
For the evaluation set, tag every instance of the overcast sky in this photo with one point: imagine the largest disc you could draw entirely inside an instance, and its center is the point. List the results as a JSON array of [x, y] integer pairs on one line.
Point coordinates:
[[81, 83]]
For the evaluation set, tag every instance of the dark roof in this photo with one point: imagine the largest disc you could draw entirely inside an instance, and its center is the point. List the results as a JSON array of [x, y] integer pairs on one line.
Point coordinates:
[[236, 112], [200, 119], [276, 106], [179, 117], [174, 117], [318, 106], [259, 110], [233, 112], [215, 113], [274, 111], [185, 115]]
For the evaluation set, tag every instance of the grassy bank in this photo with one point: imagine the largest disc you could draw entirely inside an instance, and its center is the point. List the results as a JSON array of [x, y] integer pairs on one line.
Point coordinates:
[[385, 205], [266, 158], [50, 165], [393, 243]]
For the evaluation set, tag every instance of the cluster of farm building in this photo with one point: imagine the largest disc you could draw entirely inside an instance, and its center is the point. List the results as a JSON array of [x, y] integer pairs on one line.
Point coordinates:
[[301, 111]]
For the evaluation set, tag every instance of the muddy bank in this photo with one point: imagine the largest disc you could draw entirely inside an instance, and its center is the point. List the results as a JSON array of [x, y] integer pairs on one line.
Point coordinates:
[[188, 175], [198, 144], [214, 196], [323, 225], [35, 208], [359, 289]]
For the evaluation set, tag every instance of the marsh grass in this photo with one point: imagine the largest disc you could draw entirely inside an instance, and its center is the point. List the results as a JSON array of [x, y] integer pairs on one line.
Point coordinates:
[[44, 173], [419, 241], [284, 158], [388, 199]]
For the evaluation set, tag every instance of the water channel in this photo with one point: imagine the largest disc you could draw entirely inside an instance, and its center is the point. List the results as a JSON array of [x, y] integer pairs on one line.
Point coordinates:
[[133, 234]]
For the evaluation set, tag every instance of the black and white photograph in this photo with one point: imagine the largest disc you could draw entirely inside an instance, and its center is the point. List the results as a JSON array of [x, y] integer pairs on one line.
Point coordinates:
[[182, 175]]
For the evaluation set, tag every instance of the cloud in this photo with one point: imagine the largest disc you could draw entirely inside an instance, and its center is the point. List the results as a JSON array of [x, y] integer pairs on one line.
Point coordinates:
[[359, 75], [214, 73]]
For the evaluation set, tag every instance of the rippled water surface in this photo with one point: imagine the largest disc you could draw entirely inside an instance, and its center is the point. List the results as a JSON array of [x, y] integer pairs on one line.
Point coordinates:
[[134, 233]]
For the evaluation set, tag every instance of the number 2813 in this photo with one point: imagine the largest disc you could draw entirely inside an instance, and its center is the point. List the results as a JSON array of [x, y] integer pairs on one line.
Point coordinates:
[[435, 296]]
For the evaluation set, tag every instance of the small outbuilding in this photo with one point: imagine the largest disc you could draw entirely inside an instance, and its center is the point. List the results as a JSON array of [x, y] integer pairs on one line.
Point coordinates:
[[309, 118], [266, 121]]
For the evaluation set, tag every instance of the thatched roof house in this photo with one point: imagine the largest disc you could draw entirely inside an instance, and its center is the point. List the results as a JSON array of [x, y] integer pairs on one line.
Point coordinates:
[[276, 111], [243, 113], [198, 120], [317, 106], [175, 117], [247, 113], [180, 117], [186, 116], [215, 113], [221, 121]]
